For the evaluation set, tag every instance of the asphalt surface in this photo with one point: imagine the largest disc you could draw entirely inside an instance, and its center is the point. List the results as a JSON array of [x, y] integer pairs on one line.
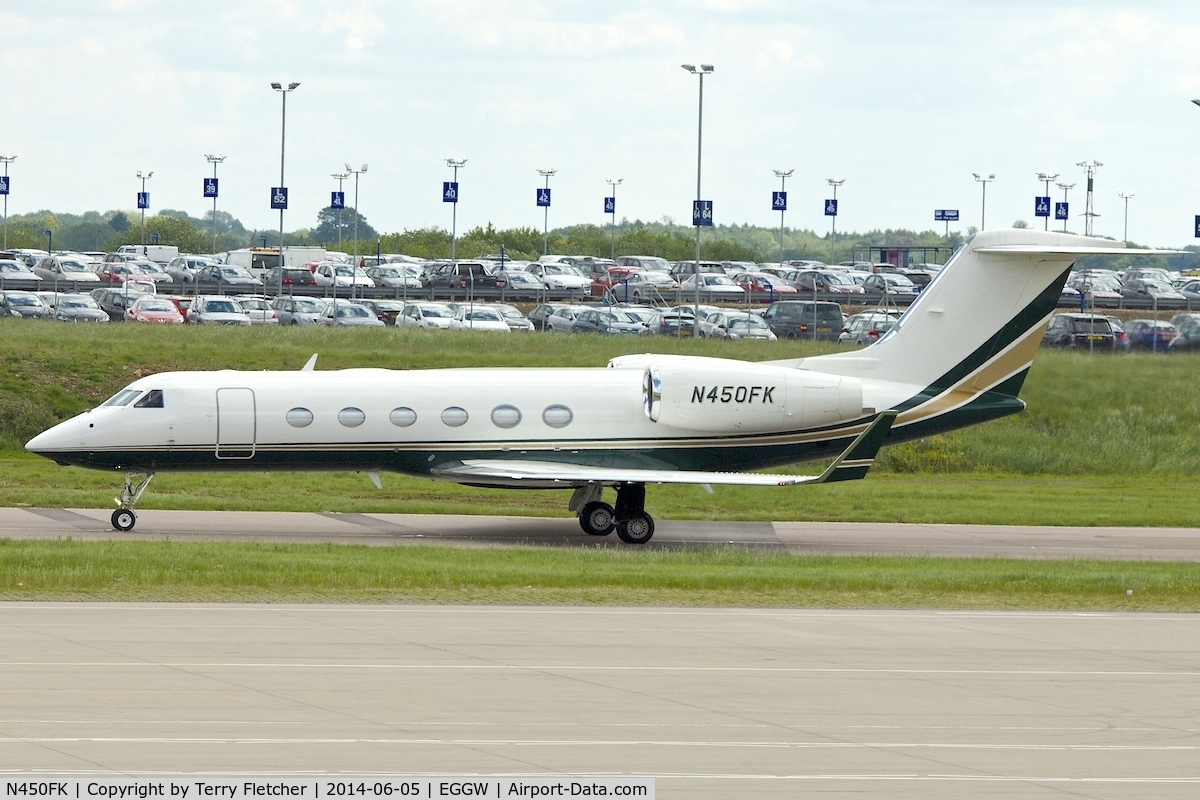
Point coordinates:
[[1159, 544], [710, 703]]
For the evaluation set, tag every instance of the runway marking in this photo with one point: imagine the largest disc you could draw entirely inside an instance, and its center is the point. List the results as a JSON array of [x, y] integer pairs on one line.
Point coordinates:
[[603, 668]]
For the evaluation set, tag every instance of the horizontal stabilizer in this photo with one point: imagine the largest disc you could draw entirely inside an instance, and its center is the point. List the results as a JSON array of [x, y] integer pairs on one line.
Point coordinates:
[[850, 465]]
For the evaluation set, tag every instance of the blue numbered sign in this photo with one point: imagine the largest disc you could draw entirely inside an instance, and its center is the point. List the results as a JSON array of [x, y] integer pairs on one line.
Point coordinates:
[[3, 184], [279, 198], [143, 199], [337, 200], [945, 215], [610, 205], [543, 198], [210, 187], [1060, 210], [831, 208], [1041, 206], [449, 191], [779, 201], [702, 212], [1198, 227]]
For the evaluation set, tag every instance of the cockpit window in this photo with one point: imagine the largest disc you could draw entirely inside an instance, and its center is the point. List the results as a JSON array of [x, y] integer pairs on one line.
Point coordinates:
[[153, 399], [121, 398]]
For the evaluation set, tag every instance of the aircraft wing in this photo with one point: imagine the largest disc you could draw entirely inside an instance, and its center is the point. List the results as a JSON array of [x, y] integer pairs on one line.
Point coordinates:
[[850, 465]]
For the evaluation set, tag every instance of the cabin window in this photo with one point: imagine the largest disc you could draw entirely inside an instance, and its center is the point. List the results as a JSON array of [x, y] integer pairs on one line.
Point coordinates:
[[403, 417], [506, 416], [557, 416], [454, 416], [352, 417], [121, 398], [299, 417], [152, 399]]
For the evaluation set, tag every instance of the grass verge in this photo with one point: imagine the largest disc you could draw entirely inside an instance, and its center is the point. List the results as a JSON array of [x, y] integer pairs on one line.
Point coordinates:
[[237, 572]]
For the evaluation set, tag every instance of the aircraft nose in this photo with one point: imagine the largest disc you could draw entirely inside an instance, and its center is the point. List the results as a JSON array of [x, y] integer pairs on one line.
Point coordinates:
[[63, 436]]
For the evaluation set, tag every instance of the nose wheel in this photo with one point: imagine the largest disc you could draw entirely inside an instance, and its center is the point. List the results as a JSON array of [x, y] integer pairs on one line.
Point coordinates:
[[123, 519]]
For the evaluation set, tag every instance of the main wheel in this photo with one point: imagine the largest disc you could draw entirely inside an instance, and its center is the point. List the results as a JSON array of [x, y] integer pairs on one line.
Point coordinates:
[[123, 519], [636, 530], [597, 519]]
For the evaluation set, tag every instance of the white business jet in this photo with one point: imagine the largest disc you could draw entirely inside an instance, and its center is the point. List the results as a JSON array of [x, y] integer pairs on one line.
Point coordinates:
[[957, 357]]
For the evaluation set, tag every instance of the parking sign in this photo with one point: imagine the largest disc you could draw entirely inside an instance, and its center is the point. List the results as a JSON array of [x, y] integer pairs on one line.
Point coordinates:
[[831, 208], [337, 200], [279, 198], [779, 201], [210, 187], [449, 191], [1198, 227], [610, 205], [543, 198], [143, 199], [945, 215], [3, 184], [1060, 210], [1041, 206], [702, 213]]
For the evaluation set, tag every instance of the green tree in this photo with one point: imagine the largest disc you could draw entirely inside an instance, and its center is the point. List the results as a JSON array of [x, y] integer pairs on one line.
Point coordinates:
[[119, 222], [331, 220]]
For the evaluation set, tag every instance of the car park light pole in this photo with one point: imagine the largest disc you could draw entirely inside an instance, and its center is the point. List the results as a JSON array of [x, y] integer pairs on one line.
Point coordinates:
[[612, 222], [1047, 178], [143, 202], [1066, 187], [355, 172], [704, 69], [456, 164], [214, 159], [283, 93], [544, 202], [6, 160], [783, 175], [1089, 212], [983, 209], [835, 183], [1125, 196], [341, 176]]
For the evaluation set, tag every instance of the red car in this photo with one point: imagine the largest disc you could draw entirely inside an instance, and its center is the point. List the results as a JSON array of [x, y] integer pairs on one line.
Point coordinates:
[[609, 278], [119, 272], [762, 283], [150, 308]]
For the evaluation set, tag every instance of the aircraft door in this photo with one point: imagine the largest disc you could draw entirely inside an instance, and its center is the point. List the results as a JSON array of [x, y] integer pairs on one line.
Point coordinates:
[[236, 423]]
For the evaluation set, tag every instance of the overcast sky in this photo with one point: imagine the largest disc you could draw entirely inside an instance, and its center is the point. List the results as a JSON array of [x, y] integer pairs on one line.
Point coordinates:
[[904, 99]]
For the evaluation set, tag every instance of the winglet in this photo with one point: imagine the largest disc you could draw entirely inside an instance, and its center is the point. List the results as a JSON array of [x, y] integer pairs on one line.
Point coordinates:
[[308, 365], [860, 455]]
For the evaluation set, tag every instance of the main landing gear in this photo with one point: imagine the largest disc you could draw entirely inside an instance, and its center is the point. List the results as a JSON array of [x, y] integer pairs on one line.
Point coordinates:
[[629, 519], [123, 519]]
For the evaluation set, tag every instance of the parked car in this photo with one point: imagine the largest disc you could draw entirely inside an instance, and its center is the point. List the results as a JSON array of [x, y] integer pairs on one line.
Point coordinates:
[[794, 319], [646, 285], [1080, 330], [14, 270], [480, 317], [646, 262], [342, 313], [462, 275], [822, 280], [564, 317], [867, 328], [327, 273], [77, 308], [395, 276], [889, 283], [65, 270], [682, 269], [1190, 289], [385, 310], [519, 282], [225, 275], [515, 320], [540, 313], [761, 283], [606, 321], [737, 325], [298, 311], [259, 308], [288, 276], [217, 310], [23, 304], [183, 269], [712, 287], [1149, 334], [559, 276], [153, 309], [426, 315], [1156, 290], [114, 302], [1187, 336], [672, 322]]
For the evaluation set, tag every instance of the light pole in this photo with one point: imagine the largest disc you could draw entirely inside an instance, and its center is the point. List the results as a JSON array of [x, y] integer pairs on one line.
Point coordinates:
[[835, 183], [1047, 178], [1125, 196], [1089, 211], [355, 172], [6, 160], [705, 69], [341, 176], [215, 159], [545, 173], [783, 175], [983, 211], [612, 224], [456, 164], [143, 201], [283, 93], [1066, 187], [49, 241]]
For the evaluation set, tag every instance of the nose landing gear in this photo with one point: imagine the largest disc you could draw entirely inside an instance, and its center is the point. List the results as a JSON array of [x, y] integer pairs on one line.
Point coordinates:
[[123, 519]]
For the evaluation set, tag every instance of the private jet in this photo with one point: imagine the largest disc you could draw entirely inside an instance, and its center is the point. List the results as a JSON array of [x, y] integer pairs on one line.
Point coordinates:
[[957, 357]]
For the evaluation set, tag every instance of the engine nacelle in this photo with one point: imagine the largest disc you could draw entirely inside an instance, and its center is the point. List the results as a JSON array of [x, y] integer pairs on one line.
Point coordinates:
[[742, 397]]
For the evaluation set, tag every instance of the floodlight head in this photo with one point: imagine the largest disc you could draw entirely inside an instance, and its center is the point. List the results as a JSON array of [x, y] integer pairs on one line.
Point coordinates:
[[7, 159], [706, 67], [276, 86], [349, 168], [614, 181], [455, 162], [1197, 102], [293, 85], [364, 169], [341, 176], [689, 67], [546, 173], [784, 173], [215, 158], [835, 181]]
